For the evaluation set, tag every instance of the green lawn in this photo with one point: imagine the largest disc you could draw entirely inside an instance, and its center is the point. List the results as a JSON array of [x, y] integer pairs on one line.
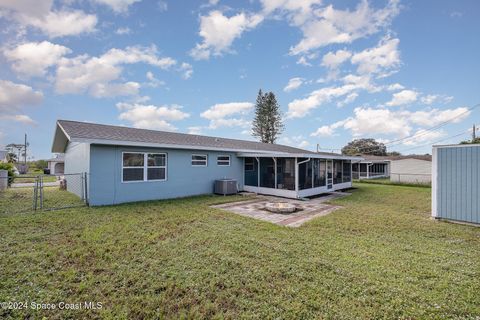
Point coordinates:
[[381, 256]]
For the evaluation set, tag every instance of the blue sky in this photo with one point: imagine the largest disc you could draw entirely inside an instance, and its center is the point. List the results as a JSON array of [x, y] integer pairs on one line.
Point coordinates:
[[341, 70]]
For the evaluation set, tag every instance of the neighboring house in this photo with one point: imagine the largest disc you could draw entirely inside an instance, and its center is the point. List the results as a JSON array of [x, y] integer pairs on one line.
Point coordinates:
[[371, 167], [456, 182], [56, 165], [402, 169], [126, 164], [411, 169]]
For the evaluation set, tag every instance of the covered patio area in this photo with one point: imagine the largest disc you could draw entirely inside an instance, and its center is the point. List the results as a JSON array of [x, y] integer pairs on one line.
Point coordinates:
[[297, 176]]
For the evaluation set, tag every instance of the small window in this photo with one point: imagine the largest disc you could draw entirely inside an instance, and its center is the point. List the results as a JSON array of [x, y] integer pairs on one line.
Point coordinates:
[[133, 169], [199, 160], [249, 165], [223, 160]]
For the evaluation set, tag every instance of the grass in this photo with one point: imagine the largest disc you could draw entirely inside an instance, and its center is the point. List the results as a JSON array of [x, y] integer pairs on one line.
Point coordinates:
[[381, 256], [387, 181], [30, 178], [20, 200]]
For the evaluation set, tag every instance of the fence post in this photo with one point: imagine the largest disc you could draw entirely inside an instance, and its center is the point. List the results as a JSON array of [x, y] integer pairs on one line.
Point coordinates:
[[3, 180], [85, 185]]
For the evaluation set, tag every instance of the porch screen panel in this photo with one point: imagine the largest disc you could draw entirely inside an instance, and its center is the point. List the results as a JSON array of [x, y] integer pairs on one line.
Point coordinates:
[[305, 175], [251, 172], [347, 177], [337, 171], [267, 173], [286, 173], [319, 173]]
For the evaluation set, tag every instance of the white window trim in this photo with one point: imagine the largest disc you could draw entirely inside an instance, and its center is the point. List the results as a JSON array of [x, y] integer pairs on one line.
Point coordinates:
[[145, 167], [224, 165], [200, 155]]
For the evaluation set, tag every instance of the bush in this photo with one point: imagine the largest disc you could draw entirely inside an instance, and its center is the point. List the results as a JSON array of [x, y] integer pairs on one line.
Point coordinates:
[[9, 167]]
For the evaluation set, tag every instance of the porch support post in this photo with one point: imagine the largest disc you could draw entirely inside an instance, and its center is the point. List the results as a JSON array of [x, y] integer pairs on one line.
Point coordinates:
[[368, 173], [258, 171], [275, 164], [296, 176]]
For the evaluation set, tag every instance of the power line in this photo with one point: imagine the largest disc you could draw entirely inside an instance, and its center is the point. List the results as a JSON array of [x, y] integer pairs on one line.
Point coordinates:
[[418, 134], [432, 143]]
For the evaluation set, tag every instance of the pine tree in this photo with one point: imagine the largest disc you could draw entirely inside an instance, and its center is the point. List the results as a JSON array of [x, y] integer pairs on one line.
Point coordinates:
[[267, 124]]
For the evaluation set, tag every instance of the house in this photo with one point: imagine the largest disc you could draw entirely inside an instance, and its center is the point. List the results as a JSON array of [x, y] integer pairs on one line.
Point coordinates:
[[56, 165], [371, 167], [402, 169], [456, 182], [127, 164], [415, 169]]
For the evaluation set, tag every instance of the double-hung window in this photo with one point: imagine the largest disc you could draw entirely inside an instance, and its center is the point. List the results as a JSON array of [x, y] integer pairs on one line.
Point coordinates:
[[223, 161], [140, 166], [199, 160]]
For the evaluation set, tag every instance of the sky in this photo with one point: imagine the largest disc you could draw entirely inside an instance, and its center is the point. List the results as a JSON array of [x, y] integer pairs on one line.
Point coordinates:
[[403, 72]]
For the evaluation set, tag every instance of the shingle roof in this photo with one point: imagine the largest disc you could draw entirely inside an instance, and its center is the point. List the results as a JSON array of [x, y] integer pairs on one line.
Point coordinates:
[[92, 131]]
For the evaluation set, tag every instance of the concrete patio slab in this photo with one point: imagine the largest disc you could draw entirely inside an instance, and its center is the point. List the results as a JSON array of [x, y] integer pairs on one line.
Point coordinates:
[[307, 209]]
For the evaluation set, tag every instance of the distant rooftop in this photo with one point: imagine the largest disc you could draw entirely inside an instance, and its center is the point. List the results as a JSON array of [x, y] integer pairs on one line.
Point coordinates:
[[369, 157]]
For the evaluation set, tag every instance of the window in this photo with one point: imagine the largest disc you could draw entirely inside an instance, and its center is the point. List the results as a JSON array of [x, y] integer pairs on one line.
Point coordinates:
[[156, 166], [133, 166], [249, 165], [346, 171], [223, 161], [138, 166], [199, 160]]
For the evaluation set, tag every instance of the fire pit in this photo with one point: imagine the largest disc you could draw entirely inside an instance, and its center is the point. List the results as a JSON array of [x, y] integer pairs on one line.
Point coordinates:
[[280, 207]]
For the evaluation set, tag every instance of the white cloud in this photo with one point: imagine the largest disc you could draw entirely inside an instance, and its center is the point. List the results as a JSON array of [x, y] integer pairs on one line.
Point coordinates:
[[195, 130], [293, 84], [383, 57], [303, 61], [118, 6], [334, 59], [299, 108], [395, 87], [21, 118], [54, 23], [434, 117], [96, 74], [371, 121], [328, 25], [152, 81], [422, 136], [298, 141], [219, 31], [33, 58], [228, 114], [402, 98], [187, 70], [13, 96], [123, 30], [433, 98], [349, 99], [151, 116]]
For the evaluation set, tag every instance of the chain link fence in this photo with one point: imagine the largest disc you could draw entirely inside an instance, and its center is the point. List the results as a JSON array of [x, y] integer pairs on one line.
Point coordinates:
[[25, 193]]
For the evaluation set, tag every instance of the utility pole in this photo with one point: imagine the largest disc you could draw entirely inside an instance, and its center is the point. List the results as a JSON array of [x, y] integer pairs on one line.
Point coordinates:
[[473, 133], [25, 154]]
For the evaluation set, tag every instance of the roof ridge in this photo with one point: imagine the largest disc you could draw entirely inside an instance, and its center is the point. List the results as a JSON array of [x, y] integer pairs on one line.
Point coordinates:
[[178, 133]]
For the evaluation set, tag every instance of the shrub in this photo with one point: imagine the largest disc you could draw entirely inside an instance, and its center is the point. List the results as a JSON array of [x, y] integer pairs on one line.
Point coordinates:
[[9, 167]]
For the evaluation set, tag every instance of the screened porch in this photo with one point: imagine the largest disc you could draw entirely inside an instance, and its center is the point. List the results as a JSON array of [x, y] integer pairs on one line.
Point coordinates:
[[295, 177], [370, 170]]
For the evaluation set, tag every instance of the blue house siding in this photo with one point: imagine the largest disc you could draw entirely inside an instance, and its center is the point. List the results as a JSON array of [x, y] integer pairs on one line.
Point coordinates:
[[457, 187], [183, 179]]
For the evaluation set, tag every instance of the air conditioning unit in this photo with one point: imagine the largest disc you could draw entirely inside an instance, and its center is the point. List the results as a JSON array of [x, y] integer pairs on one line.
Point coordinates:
[[225, 186]]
